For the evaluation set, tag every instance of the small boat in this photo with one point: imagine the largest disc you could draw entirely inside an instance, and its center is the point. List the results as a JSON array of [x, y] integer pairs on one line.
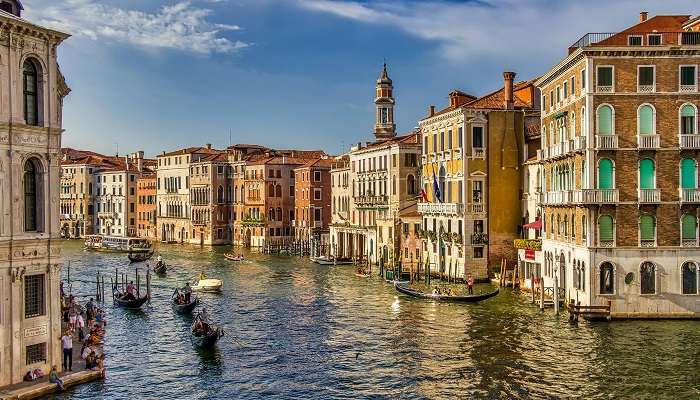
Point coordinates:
[[160, 268], [139, 257], [185, 308], [361, 275], [206, 338], [233, 257], [458, 299], [396, 281], [133, 304], [208, 285], [322, 260]]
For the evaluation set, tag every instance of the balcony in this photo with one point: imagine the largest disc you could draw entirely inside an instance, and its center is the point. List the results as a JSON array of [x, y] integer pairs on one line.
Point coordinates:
[[318, 224], [649, 196], [441, 208], [689, 141], [606, 243], [688, 88], [604, 142], [477, 207], [646, 88], [559, 149], [559, 197], [648, 142], [647, 243], [648, 39], [604, 89], [689, 195], [689, 242], [371, 200], [457, 154], [478, 152], [479, 238], [597, 196], [106, 214], [578, 144]]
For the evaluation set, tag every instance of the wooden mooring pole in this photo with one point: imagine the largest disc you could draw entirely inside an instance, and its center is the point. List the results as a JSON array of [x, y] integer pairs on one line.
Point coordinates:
[[541, 293]]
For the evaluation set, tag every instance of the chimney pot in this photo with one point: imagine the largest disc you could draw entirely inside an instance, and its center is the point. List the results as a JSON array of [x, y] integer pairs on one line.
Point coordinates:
[[208, 145], [643, 16], [508, 78], [431, 111]]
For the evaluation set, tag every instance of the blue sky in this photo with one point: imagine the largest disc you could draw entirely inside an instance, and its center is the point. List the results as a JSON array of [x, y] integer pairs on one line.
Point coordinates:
[[163, 74]]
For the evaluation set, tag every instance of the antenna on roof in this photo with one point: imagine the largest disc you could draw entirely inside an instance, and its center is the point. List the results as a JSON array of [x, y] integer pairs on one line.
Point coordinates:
[[229, 137], [117, 145]]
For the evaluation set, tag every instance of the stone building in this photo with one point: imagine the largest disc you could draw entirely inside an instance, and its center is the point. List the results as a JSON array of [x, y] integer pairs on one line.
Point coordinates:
[[146, 206], [312, 200], [32, 92], [473, 151], [340, 205], [411, 241], [238, 156], [620, 169], [77, 197], [211, 197]]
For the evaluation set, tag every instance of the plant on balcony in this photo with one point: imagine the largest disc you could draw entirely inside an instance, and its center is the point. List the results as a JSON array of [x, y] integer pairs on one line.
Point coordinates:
[[446, 237], [480, 238], [456, 238], [528, 244], [421, 234], [432, 236]]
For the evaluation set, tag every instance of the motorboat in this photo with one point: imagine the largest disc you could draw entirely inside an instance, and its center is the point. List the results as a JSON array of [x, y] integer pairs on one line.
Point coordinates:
[[208, 285], [233, 257]]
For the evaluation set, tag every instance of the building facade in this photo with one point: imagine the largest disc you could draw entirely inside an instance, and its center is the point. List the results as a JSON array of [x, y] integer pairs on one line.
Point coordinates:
[[312, 201], [32, 90], [620, 177], [76, 198], [146, 206], [211, 196]]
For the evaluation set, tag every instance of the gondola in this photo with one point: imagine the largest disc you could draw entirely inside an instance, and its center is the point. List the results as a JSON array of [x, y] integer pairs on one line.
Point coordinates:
[[160, 268], [139, 257], [133, 304], [458, 299], [185, 308], [208, 339], [361, 275]]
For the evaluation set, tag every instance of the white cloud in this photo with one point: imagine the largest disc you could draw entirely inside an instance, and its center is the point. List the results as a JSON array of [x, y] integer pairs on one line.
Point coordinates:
[[510, 29], [180, 25]]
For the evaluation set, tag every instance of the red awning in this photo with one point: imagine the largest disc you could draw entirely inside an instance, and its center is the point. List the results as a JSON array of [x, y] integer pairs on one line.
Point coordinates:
[[534, 225]]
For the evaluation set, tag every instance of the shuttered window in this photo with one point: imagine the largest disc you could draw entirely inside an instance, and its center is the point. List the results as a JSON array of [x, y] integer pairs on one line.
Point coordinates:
[[605, 174], [646, 174], [605, 228], [688, 174], [646, 120], [605, 125], [647, 227], [688, 227], [688, 120]]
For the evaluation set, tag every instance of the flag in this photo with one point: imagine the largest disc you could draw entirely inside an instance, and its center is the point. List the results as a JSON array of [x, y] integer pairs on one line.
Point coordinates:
[[436, 187], [424, 196]]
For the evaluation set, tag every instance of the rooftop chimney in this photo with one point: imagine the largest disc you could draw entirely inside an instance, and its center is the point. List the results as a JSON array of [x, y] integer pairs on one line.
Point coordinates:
[[508, 78], [431, 111], [643, 16], [208, 145]]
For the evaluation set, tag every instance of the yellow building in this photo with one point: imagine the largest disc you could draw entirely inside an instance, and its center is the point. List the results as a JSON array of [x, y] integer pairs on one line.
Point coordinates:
[[472, 155]]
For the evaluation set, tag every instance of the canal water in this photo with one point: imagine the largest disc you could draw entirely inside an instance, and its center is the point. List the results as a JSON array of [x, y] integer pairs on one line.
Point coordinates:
[[300, 330]]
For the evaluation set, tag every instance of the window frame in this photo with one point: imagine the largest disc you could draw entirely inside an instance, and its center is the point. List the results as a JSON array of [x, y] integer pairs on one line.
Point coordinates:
[[640, 37], [680, 77], [41, 296], [613, 278], [653, 119], [653, 85], [612, 78], [36, 94], [655, 276], [680, 119], [660, 36], [697, 278]]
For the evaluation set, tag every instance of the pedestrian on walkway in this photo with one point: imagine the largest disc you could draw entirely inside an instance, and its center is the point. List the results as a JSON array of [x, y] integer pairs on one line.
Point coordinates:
[[67, 343]]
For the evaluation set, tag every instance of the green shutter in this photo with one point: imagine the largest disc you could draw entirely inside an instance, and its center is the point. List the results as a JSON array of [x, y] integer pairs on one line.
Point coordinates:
[[605, 173], [688, 224], [605, 120], [646, 120], [646, 227], [687, 111], [605, 228], [688, 173], [646, 174]]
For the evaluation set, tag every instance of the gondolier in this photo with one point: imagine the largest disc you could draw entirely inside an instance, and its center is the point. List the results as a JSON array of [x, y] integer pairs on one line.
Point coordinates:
[[187, 290]]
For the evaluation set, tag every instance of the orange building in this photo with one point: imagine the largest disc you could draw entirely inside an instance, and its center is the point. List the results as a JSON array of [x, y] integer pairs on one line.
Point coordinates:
[[312, 200], [146, 206]]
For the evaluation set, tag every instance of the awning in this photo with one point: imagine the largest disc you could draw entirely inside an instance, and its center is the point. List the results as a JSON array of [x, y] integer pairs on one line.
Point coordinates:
[[534, 225]]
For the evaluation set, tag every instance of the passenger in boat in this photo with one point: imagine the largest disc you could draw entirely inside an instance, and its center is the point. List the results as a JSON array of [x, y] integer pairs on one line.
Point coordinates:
[[159, 259], [470, 284], [188, 292], [202, 276], [130, 292]]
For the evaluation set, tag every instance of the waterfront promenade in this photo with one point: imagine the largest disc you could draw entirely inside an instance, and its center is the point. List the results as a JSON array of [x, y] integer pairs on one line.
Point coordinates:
[[300, 330]]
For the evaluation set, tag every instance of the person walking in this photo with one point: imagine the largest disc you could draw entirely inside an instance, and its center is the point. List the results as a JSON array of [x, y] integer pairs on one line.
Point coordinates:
[[470, 284], [67, 343]]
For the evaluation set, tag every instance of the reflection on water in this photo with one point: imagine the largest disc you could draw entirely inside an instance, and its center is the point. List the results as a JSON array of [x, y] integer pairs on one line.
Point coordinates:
[[301, 330]]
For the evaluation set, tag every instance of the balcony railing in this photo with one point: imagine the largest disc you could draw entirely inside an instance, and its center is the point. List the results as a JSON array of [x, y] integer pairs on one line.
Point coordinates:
[[457, 154], [649, 195], [689, 195], [689, 242], [689, 141], [606, 141], [478, 207], [688, 88], [648, 141], [478, 152], [591, 38], [598, 196], [647, 243], [318, 224], [579, 143], [559, 197], [653, 38], [604, 88], [646, 88], [479, 238], [441, 208], [371, 200], [606, 243]]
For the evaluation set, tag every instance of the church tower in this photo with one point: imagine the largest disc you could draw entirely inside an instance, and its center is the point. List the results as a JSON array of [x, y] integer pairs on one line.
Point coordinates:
[[384, 127]]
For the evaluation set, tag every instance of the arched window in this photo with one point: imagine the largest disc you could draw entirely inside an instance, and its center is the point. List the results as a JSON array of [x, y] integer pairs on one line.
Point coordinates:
[[606, 229], [689, 278], [279, 214], [31, 93], [689, 230], [411, 185], [647, 276], [605, 173], [566, 225], [220, 194], [607, 278], [645, 120], [605, 120], [278, 191], [271, 190], [271, 214], [646, 174], [689, 173], [647, 229], [688, 125], [31, 195], [582, 125]]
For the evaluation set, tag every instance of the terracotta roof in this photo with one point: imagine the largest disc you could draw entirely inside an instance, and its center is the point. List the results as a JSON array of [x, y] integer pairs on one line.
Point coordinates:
[[320, 162], [658, 23], [495, 100], [190, 150], [411, 138]]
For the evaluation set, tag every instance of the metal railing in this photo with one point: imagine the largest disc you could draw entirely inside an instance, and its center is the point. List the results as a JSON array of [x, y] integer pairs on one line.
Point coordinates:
[[639, 39], [591, 38]]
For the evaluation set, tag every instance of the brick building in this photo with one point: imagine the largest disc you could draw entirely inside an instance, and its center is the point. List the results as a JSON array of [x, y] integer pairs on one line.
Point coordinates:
[[312, 200], [620, 177], [146, 206], [211, 198]]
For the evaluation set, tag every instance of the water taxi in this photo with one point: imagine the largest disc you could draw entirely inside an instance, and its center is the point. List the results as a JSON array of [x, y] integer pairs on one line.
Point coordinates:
[[117, 244]]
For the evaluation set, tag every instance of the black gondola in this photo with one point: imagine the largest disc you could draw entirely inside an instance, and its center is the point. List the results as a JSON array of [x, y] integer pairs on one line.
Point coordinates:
[[160, 268], [185, 308], [135, 303], [458, 299], [207, 338], [139, 257]]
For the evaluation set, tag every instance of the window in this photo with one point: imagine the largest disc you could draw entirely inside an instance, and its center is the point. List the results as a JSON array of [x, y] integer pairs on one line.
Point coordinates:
[[317, 194], [689, 229], [634, 40], [653, 40], [647, 275], [605, 80], [689, 278], [459, 137], [607, 278], [646, 174], [478, 252], [317, 176], [31, 93], [605, 174], [31, 185], [566, 89], [220, 194], [606, 229], [36, 353], [605, 120], [442, 141], [449, 139], [645, 118], [551, 99], [317, 214], [647, 230], [646, 78], [477, 137], [688, 78], [583, 79], [411, 185], [687, 125], [558, 94], [34, 304], [291, 191], [573, 85]]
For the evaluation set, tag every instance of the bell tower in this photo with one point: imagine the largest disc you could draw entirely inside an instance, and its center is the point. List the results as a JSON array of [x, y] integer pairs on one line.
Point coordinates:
[[384, 127]]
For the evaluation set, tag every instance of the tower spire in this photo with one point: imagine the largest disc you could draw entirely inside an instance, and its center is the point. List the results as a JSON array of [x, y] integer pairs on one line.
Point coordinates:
[[384, 127]]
